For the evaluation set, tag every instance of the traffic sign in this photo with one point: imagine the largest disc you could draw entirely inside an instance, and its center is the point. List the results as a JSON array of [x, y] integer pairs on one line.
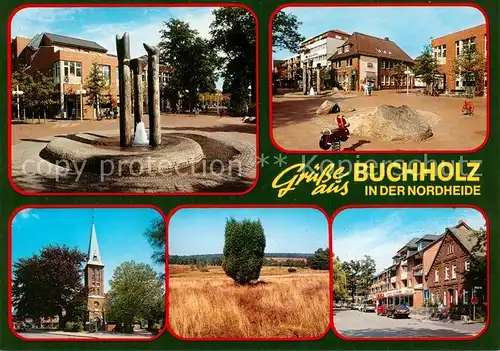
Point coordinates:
[[474, 300]]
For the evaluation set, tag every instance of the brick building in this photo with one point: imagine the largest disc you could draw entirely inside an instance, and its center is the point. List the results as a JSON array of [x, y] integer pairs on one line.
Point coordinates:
[[448, 47], [69, 61], [94, 281], [412, 279], [445, 277], [362, 58]]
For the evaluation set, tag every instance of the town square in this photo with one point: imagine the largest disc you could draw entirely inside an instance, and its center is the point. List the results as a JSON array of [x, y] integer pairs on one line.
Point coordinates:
[[397, 87], [145, 100]]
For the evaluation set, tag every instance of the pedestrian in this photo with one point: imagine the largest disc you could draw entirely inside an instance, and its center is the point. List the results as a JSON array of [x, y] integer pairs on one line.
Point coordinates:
[[370, 88], [73, 113]]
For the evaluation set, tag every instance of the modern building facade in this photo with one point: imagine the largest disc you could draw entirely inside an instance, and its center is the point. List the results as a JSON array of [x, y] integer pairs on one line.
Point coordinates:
[[69, 62], [412, 279], [316, 51], [94, 282], [448, 47], [364, 58], [292, 68]]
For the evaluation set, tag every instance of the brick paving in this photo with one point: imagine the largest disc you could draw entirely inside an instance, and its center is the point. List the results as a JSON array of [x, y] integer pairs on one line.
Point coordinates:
[[228, 145]]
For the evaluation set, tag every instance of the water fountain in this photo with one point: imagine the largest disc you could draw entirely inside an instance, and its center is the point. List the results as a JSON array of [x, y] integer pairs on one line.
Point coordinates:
[[140, 136], [134, 158]]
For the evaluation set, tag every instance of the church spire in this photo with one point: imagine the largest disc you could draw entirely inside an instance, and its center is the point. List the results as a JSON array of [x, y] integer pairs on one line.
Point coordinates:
[[94, 254]]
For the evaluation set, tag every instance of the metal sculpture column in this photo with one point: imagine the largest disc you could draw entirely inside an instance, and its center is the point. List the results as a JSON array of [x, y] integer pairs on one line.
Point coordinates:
[[154, 95], [137, 66], [318, 79], [125, 89], [304, 78]]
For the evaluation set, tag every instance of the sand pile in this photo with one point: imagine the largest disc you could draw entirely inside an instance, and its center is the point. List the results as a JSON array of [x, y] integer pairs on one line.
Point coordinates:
[[391, 123]]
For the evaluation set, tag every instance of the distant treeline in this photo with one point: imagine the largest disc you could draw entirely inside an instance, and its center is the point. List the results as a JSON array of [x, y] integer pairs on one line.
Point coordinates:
[[270, 259]]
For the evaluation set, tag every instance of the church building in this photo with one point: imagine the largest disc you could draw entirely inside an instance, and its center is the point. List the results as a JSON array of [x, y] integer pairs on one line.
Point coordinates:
[[94, 281]]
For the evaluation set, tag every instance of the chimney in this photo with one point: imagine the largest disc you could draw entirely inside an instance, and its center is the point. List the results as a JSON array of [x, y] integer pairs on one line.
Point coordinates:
[[386, 38]]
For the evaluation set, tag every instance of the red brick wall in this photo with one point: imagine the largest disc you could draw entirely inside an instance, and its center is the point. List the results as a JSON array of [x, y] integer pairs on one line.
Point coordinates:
[[445, 259], [449, 40]]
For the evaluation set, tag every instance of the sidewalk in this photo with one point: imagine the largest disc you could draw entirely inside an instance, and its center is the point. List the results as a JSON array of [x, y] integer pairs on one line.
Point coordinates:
[[102, 335]]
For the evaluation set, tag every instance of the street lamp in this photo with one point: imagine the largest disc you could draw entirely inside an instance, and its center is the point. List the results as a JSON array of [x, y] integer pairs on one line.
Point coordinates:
[[81, 92], [18, 93], [408, 75]]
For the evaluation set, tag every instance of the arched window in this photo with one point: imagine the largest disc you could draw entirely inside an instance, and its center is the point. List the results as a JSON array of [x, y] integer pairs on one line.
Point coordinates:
[[98, 292]]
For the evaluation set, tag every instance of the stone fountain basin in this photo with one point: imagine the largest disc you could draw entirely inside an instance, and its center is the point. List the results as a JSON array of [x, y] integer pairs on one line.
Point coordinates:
[[86, 152]]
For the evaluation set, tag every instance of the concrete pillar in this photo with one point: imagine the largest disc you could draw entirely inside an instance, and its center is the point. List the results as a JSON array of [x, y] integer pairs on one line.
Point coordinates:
[[137, 65], [125, 89], [154, 95]]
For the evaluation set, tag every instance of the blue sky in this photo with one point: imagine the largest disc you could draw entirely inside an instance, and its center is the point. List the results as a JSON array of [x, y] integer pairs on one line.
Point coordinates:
[[409, 27], [119, 233], [381, 232], [194, 231], [103, 24]]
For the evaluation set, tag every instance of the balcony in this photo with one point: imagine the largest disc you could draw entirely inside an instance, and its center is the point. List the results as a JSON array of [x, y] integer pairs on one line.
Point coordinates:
[[393, 279], [419, 286], [418, 270]]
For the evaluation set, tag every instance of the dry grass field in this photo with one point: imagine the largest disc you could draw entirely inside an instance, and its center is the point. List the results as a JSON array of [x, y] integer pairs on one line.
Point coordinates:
[[282, 305]]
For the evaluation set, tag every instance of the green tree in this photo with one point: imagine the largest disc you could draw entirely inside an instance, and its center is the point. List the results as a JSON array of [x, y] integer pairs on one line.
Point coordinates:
[[233, 32], [136, 292], [339, 280], [476, 276], [193, 61], [155, 236], [359, 274], [50, 284], [243, 254], [39, 91], [319, 260], [427, 69], [470, 65], [285, 32], [96, 84], [398, 72]]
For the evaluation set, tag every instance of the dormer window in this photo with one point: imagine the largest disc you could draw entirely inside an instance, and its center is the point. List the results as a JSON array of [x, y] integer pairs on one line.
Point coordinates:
[[347, 48]]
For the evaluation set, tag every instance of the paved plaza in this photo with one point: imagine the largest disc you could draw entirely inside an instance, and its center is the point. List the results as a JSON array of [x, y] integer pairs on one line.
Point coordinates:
[[357, 324], [83, 335], [295, 126], [229, 165]]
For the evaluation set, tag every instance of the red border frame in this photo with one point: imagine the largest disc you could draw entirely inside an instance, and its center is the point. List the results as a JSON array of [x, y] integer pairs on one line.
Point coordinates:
[[377, 4], [131, 5], [465, 338], [213, 206], [9, 272]]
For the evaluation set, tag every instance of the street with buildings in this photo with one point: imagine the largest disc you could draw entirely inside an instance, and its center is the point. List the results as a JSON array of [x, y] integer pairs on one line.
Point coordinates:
[[437, 284], [356, 324]]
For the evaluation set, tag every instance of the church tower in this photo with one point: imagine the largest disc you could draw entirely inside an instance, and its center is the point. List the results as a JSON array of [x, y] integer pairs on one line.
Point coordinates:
[[94, 281]]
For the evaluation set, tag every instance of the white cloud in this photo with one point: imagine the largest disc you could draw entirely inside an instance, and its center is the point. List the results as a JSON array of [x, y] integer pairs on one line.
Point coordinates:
[[24, 215], [30, 21]]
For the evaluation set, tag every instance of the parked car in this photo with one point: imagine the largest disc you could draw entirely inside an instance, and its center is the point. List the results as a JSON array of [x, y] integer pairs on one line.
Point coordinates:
[[338, 305], [400, 311], [381, 310], [354, 306], [368, 306], [360, 306]]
